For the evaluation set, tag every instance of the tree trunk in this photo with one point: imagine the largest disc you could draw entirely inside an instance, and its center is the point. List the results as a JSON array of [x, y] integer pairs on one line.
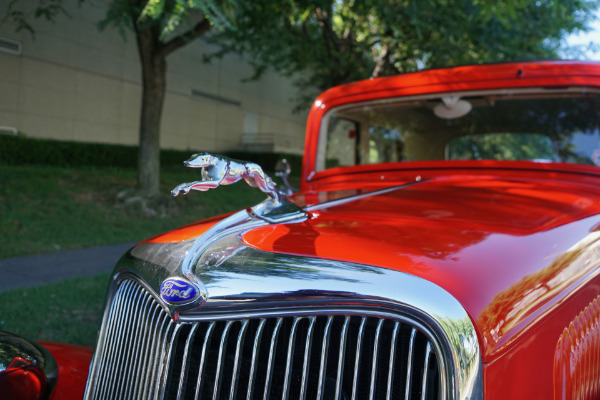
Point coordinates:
[[154, 69]]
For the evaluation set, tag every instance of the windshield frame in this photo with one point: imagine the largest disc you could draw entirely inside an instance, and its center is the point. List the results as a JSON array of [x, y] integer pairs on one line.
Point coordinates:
[[494, 93], [467, 78]]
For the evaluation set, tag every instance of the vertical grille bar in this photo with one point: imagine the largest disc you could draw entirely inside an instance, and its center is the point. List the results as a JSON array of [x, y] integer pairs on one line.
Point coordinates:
[[374, 370], [290, 359], [164, 348], [140, 354], [409, 363], [307, 351], [134, 338], [184, 366], [124, 339], [220, 363], [236, 365], [112, 328], [323, 363], [425, 372], [169, 351], [120, 329], [255, 350], [207, 338], [145, 354], [392, 360], [155, 358], [147, 349], [359, 341], [271, 358], [341, 359]]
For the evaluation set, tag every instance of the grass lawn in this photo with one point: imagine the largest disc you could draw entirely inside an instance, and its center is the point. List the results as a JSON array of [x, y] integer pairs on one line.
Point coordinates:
[[68, 311], [46, 209]]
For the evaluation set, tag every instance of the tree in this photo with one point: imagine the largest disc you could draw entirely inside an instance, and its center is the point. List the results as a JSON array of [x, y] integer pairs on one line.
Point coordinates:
[[330, 42], [160, 27], [322, 43]]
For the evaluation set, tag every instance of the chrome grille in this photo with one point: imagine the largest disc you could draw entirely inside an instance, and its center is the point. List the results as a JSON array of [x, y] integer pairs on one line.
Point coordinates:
[[144, 354]]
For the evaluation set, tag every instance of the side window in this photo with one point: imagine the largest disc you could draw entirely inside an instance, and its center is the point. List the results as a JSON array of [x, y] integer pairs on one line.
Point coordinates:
[[350, 142], [342, 138]]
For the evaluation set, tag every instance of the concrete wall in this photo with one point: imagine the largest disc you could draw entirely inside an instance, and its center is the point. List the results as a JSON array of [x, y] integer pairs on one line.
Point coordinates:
[[72, 82]]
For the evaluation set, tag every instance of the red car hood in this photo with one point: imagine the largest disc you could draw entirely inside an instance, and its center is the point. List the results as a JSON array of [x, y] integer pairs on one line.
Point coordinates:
[[498, 244]]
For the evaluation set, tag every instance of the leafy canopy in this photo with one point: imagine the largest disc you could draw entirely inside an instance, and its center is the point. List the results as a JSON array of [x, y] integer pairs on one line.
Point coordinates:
[[171, 17], [323, 43], [330, 42]]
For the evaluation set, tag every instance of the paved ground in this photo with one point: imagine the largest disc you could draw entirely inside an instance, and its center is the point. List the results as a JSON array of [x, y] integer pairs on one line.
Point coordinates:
[[20, 272]]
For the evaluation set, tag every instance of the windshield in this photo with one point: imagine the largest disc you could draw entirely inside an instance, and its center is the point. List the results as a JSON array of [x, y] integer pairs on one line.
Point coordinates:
[[538, 126]]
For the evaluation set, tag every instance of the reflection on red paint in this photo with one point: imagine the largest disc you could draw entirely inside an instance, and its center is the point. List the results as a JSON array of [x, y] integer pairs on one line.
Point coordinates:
[[22, 380], [500, 244]]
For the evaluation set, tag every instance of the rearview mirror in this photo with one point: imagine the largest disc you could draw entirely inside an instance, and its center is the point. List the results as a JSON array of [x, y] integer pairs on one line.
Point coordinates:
[[283, 171]]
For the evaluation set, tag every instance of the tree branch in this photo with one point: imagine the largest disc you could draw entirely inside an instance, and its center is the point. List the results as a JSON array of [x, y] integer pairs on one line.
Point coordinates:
[[181, 40], [380, 62]]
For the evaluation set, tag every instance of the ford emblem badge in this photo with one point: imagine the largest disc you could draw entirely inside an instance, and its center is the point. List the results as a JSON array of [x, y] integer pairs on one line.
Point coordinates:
[[178, 291]]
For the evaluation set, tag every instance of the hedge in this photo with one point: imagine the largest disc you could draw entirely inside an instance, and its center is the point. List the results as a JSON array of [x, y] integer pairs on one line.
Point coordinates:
[[20, 150]]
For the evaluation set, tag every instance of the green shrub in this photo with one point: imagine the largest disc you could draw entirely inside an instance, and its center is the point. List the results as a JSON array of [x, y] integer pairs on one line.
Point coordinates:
[[20, 150]]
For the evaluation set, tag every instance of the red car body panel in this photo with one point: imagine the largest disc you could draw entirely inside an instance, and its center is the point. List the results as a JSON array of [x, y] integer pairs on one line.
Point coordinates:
[[514, 242], [515, 248], [73, 367], [503, 266], [443, 230]]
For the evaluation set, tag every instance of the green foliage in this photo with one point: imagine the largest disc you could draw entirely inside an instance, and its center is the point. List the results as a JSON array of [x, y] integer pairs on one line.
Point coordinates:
[[502, 146], [330, 42], [171, 13], [19, 150], [20, 13], [170, 18], [167, 15]]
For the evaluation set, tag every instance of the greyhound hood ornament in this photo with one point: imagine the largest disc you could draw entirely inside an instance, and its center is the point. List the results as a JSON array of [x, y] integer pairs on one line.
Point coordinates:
[[219, 170]]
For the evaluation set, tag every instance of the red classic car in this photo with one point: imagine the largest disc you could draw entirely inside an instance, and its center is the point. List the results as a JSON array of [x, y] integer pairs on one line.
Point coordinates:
[[444, 244]]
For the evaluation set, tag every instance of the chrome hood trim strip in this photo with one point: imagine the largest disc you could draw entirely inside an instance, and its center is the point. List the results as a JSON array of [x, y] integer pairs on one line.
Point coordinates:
[[344, 200]]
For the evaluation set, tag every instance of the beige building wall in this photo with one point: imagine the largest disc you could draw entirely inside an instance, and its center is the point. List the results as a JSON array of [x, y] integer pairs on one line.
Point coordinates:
[[72, 82]]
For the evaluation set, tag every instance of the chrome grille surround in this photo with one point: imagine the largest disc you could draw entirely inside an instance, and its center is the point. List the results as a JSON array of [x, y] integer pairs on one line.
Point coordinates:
[[343, 353], [239, 283]]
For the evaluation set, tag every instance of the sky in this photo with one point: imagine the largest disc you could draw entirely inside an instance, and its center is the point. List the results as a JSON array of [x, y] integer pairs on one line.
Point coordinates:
[[585, 38]]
